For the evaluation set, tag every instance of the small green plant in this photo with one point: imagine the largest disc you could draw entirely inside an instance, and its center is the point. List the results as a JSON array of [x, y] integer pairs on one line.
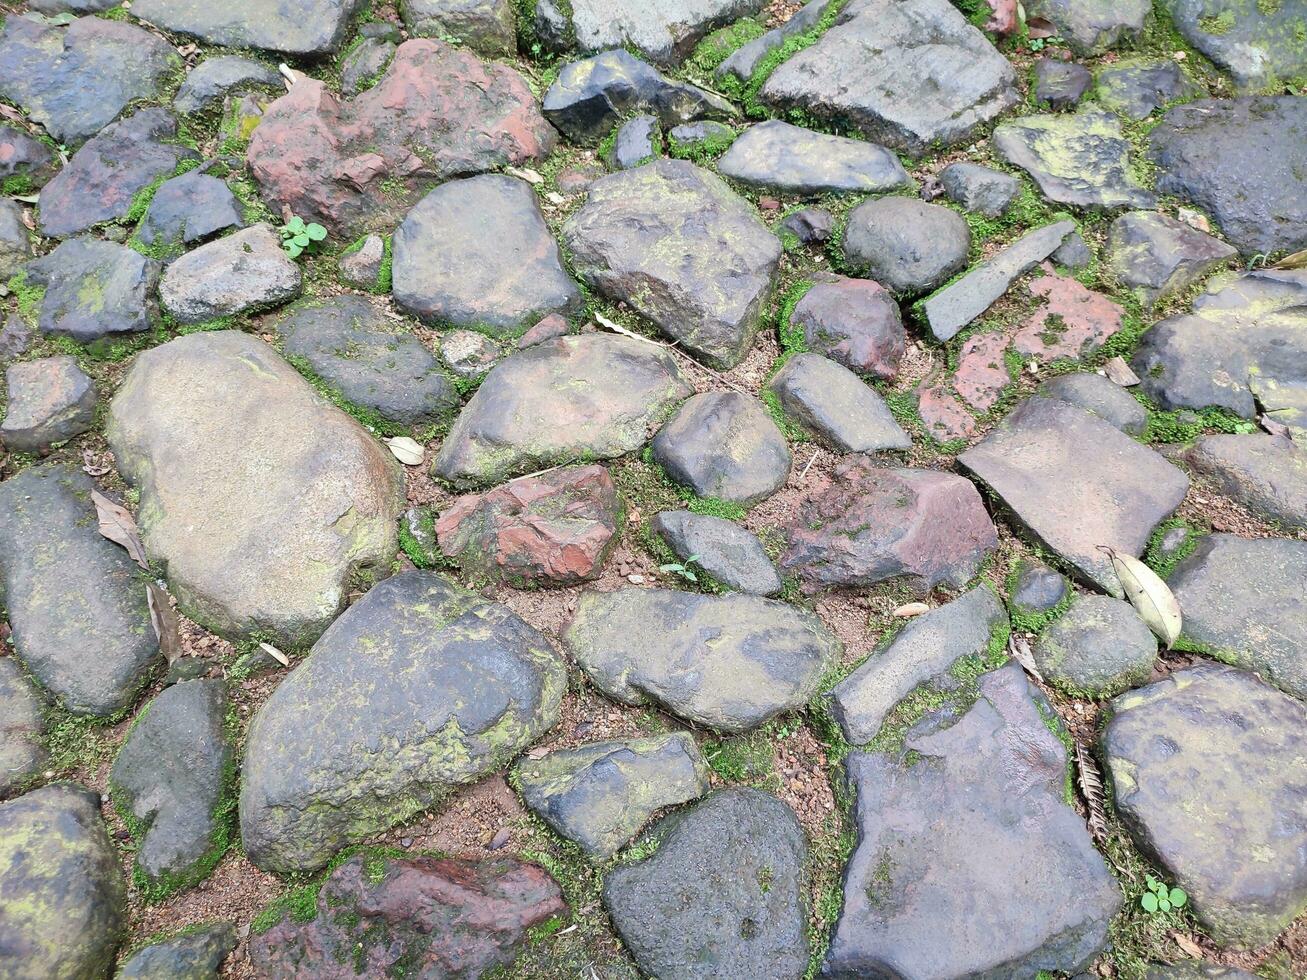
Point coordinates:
[[682, 569], [298, 236], [1161, 898]]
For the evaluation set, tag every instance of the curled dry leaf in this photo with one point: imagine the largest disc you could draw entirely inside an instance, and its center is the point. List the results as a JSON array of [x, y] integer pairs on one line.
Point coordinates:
[[1273, 427], [911, 609], [275, 654], [407, 451], [525, 173], [163, 617], [1091, 788], [118, 525], [1150, 596], [1019, 650]]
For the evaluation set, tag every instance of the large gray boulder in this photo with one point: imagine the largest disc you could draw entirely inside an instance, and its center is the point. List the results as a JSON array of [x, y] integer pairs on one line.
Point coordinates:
[[1159, 256], [51, 400], [836, 406], [195, 954], [1265, 473], [1091, 27], [664, 32], [790, 160], [94, 290], [1097, 648], [309, 28], [1260, 44]]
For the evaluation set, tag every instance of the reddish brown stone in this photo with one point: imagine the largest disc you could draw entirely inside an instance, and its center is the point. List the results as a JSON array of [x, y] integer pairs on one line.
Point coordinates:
[[418, 918], [854, 322], [554, 325], [982, 373], [1074, 322], [554, 529], [360, 164], [943, 413]]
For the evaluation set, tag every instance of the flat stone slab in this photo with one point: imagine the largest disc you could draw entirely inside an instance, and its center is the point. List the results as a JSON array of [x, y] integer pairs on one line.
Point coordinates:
[[419, 688], [1097, 648], [1265, 473], [980, 189], [1074, 482], [195, 955], [309, 28], [1260, 44], [244, 272], [188, 209], [789, 160], [1137, 87], [1209, 772], [261, 524], [663, 32], [94, 290], [730, 662], [51, 400], [727, 552], [22, 752], [1099, 396], [836, 406]]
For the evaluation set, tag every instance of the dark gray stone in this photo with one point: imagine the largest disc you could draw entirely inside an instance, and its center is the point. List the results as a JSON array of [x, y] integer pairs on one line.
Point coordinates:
[[1265, 473], [1136, 88], [308, 28], [22, 754], [193, 955], [486, 26], [15, 242], [811, 226], [1099, 396], [15, 337], [906, 245], [723, 896], [365, 64], [1039, 589], [25, 162], [833, 403], [744, 61], [664, 32], [1074, 253], [1091, 27], [50, 401], [213, 79], [854, 322], [787, 159], [724, 444], [1260, 44], [638, 142], [1061, 84], [1158, 256], [980, 189], [721, 548], [244, 272], [94, 290], [189, 209], [1097, 648], [362, 267]]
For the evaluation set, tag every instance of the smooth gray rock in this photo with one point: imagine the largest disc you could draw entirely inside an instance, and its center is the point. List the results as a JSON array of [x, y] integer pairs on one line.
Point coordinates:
[[1157, 256], [638, 142], [730, 554], [1091, 27], [1061, 84], [664, 32], [50, 401], [723, 444], [1136, 88], [486, 26], [1265, 473], [980, 189], [1260, 44], [94, 290], [906, 245], [1039, 589], [1099, 396], [1097, 649], [789, 160], [244, 272], [854, 322], [834, 404], [744, 61], [213, 79], [194, 955], [189, 209], [22, 754], [309, 28]]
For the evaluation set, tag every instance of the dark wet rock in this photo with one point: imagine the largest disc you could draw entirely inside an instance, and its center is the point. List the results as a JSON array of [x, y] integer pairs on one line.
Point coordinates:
[[1260, 44], [1201, 151], [76, 601], [724, 444], [101, 181], [1098, 648], [729, 662], [15, 337], [170, 775], [76, 79], [1158, 256], [1209, 771], [906, 245], [600, 795], [727, 552], [259, 498], [213, 79], [911, 75], [833, 403], [189, 209], [435, 917], [244, 272], [360, 164], [486, 26], [364, 64], [683, 250], [369, 359], [980, 189], [50, 401], [1071, 322], [1136, 88], [194, 955], [1081, 159], [469, 354], [1265, 473], [956, 305], [974, 838], [1061, 84], [561, 401], [873, 524], [15, 242], [744, 60], [1242, 601], [1073, 253], [663, 32], [590, 97], [22, 726], [554, 529], [1091, 27], [1039, 589], [854, 322], [1074, 482], [308, 28], [926, 648], [362, 268], [94, 290], [62, 895], [1099, 396], [25, 162], [787, 159], [639, 140], [418, 688], [810, 226]]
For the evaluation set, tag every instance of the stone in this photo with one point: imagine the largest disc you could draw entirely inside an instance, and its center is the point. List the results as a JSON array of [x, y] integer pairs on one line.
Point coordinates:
[[926, 648], [101, 181], [75, 79], [562, 401], [1073, 322], [786, 159], [1073, 253], [681, 249], [363, 267], [1135, 88], [600, 795], [189, 209], [723, 444], [874, 524], [589, 98], [912, 76], [1201, 152], [1209, 772], [906, 245], [731, 663], [94, 290], [1096, 649], [1260, 44], [477, 253], [1242, 601], [468, 354], [638, 141], [1038, 589], [1074, 482], [706, 134], [982, 373], [62, 895], [434, 917], [360, 164], [22, 750], [980, 189], [1099, 396], [550, 328], [744, 60], [213, 79], [946, 418], [1061, 84], [309, 29], [810, 226], [15, 337], [15, 243], [1157, 256], [170, 775], [76, 601], [960, 302], [486, 26], [729, 554], [420, 687], [51, 400], [25, 162], [664, 33], [244, 272], [854, 322], [194, 955], [364, 64], [1265, 473], [831, 402], [554, 529], [971, 837], [1091, 27], [1082, 160], [260, 525]]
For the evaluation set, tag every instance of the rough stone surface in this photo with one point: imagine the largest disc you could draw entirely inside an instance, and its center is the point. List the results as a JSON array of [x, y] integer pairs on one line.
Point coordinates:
[[477, 253], [810, 226], [872, 524], [730, 662], [1099, 396], [663, 32], [15, 241], [744, 60], [638, 141], [1209, 771], [1158, 256], [727, 552], [418, 688], [486, 26], [1039, 589], [722, 897], [724, 444], [308, 28], [906, 245], [854, 322], [189, 209], [50, 400], [1260, 44], [245, 271], [776, 156], [1098, 648], [22, 754], [980, 189], [550, 328], [25, 162], [561, 401], [1071, 322], [94, 290], [1091, 27], [677, 245], [833, 403], [973, 839], [362, 268], [364, 63], [1061, 84], [1136, 88], [213, 79], [982, 372], [194, 955], [76, 602], [468, 354], [1265, 473], [600, 795], [260, 524]]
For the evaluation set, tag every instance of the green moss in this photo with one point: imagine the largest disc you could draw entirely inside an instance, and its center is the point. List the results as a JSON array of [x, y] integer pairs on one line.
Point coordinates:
[[16, 185], [748, 759], [721, 44], [792, 431], [791, 338], [366, 417], [1163, 565], [1218, 24], [1185, 425], [702, 152], [747, 92], [713, 507], [28, 296]]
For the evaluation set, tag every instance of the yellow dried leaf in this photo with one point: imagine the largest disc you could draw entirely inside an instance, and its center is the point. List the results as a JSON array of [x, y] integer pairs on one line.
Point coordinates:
[[1150, 596], [407, 451]]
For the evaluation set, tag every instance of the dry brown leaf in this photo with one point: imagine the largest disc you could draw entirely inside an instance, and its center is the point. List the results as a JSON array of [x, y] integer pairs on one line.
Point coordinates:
[[407, 451], [1091, 788], [608, 324], [1298, 260], [9, 112], [1019, 650], [118, 525], [166, 625], [275, 654], [1187, 945], [90, 467], [1273, 427]]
